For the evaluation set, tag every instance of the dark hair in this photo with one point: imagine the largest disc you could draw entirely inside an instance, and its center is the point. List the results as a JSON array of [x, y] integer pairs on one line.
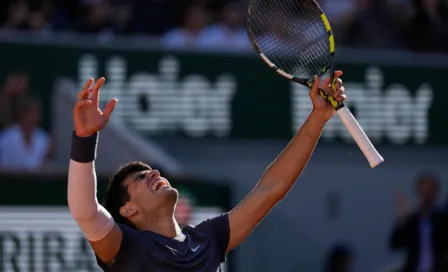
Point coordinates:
[[117, 193]]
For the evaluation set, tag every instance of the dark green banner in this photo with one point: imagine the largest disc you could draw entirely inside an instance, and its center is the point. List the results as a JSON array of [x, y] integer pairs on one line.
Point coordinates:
[[200, 95]]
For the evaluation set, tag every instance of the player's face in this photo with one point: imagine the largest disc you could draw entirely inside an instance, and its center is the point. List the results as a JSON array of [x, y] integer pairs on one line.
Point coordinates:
[[150, 193]]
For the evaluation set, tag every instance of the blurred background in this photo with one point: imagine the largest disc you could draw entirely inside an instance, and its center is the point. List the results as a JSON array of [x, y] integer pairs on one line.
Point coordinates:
[[198, 104]]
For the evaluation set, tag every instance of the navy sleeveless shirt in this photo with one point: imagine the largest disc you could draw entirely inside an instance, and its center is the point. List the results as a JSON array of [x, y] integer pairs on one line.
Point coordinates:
[[203, 249]]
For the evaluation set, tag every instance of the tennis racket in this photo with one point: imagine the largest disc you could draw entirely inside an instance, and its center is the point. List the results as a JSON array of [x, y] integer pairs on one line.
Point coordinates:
[[295, 39]]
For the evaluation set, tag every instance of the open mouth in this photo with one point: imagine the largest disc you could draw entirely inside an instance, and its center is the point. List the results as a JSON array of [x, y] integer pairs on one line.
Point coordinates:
[[159, 183]]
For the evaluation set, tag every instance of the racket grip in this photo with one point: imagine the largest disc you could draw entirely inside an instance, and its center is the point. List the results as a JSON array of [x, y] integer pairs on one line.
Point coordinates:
[[358, 134]]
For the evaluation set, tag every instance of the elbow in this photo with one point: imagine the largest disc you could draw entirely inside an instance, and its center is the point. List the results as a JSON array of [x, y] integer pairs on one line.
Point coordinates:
[[278, 194], [273, 193], [81, 212]]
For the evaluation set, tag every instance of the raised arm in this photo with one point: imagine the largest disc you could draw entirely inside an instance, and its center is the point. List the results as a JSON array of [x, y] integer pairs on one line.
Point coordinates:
[[281, 175], [96, 223]]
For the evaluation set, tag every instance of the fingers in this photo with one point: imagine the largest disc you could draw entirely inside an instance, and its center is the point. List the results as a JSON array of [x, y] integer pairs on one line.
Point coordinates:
[[84, 93], [326, 84], [339, 94], [315, 89], [96, 90], [338, 73], [110, 108], [88, 84], [339, 91], [338, 83]]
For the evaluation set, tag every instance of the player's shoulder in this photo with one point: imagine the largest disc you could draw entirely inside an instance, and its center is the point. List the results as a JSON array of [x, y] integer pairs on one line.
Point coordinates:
[[136, 236], [129, 233], [217, 222]]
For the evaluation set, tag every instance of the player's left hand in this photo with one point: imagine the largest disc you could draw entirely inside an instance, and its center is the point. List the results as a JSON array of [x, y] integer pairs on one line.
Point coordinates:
[[322, 106]]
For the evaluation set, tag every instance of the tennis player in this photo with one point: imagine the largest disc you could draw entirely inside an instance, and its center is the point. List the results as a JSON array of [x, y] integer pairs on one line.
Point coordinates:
[[136, 231]]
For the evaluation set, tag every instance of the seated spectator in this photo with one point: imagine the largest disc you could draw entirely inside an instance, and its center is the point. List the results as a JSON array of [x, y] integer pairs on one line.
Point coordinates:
[[229, 33], [96, 18], [17, 17], [27, 15], [24, 146], [371, 24], [187, 35], [14, 90], [122, 19], [427, 29]]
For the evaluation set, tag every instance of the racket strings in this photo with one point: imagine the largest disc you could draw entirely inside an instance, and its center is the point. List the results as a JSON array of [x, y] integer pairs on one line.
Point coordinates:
[[291, 34]]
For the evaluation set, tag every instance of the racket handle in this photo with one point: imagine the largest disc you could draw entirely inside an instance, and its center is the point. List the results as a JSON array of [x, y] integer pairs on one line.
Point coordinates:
[[360, 137]]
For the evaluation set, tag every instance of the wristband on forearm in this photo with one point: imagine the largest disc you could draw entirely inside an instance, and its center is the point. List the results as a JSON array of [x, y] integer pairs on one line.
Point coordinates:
[[83, 150]]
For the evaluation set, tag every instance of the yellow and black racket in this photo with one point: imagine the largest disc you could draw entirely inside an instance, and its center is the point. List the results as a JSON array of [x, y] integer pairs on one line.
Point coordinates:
[[294, 38]]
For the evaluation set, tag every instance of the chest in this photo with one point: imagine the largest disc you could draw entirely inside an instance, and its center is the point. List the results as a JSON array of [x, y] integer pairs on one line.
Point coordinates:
[[24, 152], [151, 253]]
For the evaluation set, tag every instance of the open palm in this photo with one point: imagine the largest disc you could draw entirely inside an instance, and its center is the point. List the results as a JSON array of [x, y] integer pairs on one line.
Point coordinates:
[[87, 116]]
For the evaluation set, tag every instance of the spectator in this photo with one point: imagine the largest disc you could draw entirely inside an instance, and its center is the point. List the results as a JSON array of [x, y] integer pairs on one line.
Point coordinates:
[[154, 17], [122, 19], [24, 146], [65, 15], [372, 24], [17, 17], [27, 15], [97, 18], [183, 210], [427, 29], [229, 33], [13, 91], [422, 234], [187, 35]]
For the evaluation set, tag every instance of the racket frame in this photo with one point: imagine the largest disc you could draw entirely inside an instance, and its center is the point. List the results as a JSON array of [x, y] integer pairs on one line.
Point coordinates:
[[347, 118]]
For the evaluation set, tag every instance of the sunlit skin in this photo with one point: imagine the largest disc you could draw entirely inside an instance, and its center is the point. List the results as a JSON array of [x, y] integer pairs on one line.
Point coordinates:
[[152, 200]]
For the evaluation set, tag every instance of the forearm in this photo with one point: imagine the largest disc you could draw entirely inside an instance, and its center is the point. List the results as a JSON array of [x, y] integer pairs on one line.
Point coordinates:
[[81, 192], [287, 167], [92, 218]]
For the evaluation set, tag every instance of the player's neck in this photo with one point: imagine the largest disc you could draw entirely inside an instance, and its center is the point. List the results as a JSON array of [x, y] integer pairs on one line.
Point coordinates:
[[164, 226]]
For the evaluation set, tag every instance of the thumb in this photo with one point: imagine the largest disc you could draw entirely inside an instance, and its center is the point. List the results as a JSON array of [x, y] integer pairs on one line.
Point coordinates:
[[109, 108], [337, 73], [314, 93]]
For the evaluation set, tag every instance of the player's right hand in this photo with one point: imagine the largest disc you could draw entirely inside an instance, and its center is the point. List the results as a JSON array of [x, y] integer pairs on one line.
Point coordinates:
[[87, 116]]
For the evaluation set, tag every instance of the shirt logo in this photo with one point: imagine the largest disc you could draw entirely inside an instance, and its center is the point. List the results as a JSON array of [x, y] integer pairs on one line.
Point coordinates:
[[172, 250], [195, 248]]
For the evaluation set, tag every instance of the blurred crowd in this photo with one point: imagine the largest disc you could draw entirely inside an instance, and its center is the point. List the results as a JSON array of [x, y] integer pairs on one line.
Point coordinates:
[[419, 233], [23, 145], [419, 25]]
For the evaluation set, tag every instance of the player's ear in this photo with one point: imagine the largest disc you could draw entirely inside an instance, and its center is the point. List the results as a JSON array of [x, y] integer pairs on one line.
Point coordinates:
[[128, 210]]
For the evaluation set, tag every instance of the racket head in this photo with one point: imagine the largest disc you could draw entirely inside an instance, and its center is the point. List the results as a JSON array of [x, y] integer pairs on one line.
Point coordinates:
[[294, 38]]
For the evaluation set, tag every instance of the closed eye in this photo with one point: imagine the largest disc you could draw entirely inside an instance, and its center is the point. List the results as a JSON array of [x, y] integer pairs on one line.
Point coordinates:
[[140, 177]]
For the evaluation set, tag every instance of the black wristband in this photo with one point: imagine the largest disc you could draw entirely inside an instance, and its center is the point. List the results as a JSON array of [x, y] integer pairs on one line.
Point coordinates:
[[83, 149]]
